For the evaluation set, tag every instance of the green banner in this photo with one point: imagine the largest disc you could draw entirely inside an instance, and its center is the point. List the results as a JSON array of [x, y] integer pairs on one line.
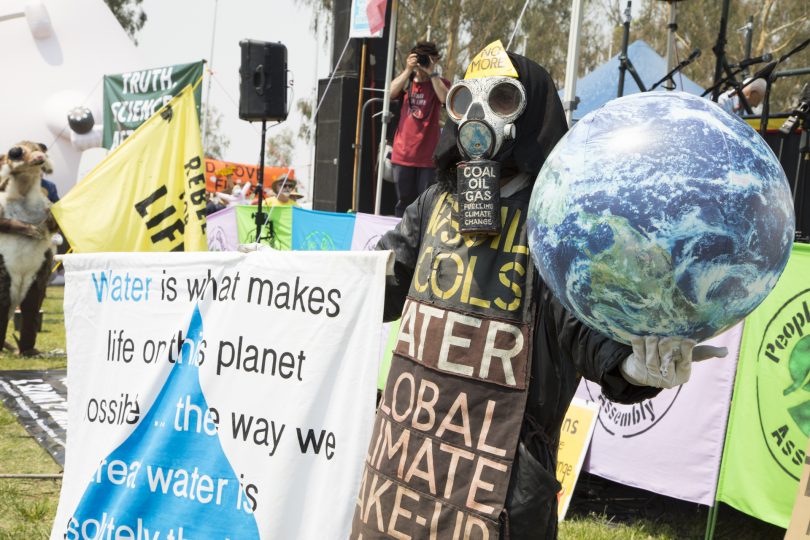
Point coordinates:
[[281, 216], [131, 98], [769, 423]]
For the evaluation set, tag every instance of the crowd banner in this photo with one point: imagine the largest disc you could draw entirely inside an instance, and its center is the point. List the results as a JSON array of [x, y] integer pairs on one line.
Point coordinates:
[[280, 216], [222, 230], [132, 98], [217, 173], [769, 422], [369, 228], [671, 444], [218, 395], [314, 230], [576, 433], [148, 194]]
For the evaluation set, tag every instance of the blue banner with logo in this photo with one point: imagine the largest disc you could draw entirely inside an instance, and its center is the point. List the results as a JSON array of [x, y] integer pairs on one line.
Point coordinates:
[[314, 230]]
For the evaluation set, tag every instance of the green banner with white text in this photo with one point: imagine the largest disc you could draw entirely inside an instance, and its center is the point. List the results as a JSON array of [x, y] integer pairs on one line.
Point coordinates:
[[131, 98], [769, 423]]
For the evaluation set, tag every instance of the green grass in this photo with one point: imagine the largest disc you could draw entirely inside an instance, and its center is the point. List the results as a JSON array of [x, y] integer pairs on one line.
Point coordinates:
[[50, 341], [27, 507]]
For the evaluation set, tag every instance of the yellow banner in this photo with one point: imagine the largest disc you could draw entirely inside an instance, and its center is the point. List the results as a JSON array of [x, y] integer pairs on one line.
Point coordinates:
[[575, 437], [492, 61], [148, 194]]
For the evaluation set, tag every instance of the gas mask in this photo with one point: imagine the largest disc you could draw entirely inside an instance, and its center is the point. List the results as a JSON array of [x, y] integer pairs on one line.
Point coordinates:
[[485, 110]]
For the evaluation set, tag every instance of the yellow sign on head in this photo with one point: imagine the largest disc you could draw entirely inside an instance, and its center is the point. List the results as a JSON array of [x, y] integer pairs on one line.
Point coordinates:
[[148, 194], [492, 61]]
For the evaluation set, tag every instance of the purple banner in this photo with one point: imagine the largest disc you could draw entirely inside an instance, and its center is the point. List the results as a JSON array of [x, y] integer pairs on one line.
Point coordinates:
[[223, 234], [368, 229], [670, 444]]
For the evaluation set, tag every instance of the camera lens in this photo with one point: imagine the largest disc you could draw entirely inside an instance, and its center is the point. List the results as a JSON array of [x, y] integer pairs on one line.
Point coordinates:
[[422, 60]]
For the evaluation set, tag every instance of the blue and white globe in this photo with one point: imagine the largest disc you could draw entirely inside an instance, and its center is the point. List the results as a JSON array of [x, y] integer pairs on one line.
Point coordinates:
[[661, 214]]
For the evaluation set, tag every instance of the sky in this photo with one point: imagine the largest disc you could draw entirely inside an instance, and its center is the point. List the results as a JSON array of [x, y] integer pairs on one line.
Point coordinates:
[[180, 31]]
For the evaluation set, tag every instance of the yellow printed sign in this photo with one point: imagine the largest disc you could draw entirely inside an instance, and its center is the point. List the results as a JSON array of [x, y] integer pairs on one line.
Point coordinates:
[[148, 194], [800, 520], [575, 437], [492, 61]]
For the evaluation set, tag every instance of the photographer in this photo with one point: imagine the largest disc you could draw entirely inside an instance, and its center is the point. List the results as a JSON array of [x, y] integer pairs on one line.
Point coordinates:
[[418, 130]]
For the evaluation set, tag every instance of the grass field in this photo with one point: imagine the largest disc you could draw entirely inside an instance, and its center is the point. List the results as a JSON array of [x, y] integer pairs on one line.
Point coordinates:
[[27, 507]]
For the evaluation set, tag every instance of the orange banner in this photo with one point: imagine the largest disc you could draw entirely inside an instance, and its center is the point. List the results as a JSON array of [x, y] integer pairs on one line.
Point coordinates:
[[216, 173]]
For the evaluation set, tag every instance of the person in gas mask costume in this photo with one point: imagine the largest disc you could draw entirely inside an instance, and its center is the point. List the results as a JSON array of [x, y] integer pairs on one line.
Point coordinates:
[[487, 360]]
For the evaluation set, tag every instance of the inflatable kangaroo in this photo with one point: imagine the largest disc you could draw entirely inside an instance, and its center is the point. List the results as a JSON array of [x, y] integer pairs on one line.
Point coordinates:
[[26, 226]]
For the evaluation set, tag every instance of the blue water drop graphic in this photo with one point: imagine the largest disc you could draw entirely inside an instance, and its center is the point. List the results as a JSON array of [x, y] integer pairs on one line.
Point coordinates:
[[170, 480]]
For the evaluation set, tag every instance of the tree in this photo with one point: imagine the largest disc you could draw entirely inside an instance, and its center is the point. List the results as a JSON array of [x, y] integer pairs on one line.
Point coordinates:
[[306, 130], [280, 148], [215, 142], [130, 15]]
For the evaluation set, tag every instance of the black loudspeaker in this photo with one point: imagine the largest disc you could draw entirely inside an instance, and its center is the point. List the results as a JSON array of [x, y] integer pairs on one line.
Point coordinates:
[[797, 169], [263, 81], [334, 141]]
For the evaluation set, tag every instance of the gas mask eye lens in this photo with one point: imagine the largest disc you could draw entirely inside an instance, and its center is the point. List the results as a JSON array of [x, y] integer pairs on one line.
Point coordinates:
[[459, 102], [505, 99]]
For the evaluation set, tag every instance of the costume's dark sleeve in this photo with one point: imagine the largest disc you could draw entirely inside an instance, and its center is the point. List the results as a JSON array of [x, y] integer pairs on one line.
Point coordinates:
[[595, 356], [404, 240]]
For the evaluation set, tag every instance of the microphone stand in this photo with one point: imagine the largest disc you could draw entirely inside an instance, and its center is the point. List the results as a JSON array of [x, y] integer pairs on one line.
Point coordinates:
[[624, 62], [763, 124], [676, 69]]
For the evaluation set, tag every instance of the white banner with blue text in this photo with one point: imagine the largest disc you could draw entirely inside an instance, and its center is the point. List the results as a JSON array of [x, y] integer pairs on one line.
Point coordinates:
[[218, 395]]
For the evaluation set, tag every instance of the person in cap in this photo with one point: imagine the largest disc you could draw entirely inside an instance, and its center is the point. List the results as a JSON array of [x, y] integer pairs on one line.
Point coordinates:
[[422, 91], [284, 193], [487, 361]]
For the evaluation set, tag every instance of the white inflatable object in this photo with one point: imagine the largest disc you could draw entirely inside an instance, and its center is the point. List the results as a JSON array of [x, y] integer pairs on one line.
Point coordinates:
[[85, 141], [39, 21]]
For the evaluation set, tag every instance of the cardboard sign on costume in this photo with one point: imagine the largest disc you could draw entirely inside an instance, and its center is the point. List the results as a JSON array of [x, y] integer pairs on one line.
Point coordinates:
[[218, 395]]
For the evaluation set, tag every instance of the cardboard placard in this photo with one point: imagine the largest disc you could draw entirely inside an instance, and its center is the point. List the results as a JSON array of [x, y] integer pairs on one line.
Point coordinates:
[[575, 437]]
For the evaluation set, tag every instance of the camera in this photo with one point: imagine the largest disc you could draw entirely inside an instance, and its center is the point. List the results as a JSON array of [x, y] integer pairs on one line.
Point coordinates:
[[423, 60]]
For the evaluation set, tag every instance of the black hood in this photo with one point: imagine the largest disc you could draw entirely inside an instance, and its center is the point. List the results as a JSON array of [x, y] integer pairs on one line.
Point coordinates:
[[538, 129]]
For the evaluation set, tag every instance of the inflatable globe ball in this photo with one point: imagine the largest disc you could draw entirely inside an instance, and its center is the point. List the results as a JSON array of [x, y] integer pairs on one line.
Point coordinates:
[[660, 214]]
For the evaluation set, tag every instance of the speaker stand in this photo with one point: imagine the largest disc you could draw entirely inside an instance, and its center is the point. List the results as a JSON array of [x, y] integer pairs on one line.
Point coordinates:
[[259, 214]]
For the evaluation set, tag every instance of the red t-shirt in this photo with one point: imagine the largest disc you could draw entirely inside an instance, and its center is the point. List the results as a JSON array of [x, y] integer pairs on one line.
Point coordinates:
[[418, 130]]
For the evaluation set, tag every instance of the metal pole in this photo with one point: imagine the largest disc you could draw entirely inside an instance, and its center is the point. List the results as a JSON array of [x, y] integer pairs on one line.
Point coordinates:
[[260, 176], [720, 50], [671, 28], [623, 53], [517, 24], [357, 133], [386, 112], [572, 61], [210, 76], [749, 38]]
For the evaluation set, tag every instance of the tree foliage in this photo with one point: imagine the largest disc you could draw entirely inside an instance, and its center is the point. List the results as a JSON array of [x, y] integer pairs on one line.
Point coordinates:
[[215, 142], [130, 15], [461, 28], [280, 148]]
